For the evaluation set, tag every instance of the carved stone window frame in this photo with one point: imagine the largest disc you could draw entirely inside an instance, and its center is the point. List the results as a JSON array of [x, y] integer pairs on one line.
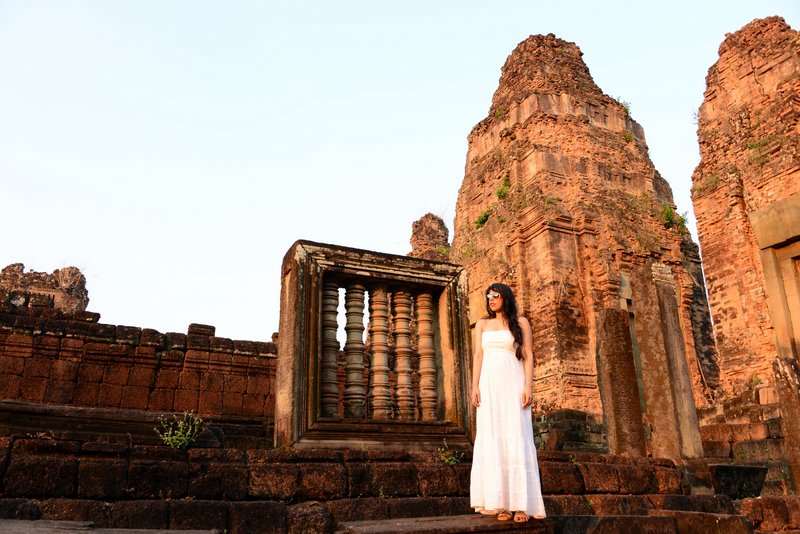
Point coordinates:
[[298, 423]]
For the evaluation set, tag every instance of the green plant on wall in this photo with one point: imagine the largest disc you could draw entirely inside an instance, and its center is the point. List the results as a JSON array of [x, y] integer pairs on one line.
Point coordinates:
[[182, 431], [482, 218], [671, 219], [504, 188], [448, 456], [627, 135], [759, 150]]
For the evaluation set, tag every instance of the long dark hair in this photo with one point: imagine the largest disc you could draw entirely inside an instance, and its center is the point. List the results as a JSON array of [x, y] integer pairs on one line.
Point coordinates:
[[510, 313]]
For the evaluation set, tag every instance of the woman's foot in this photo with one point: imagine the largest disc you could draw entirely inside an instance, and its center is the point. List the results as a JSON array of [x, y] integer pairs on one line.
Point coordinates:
[[503, 515], [520, 517]]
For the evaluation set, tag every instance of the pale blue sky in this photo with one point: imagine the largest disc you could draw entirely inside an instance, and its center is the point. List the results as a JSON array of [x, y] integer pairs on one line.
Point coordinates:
[[174, 150]]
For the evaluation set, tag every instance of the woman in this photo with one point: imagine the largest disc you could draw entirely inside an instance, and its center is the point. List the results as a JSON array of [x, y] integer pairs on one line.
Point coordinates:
[[505, 474]]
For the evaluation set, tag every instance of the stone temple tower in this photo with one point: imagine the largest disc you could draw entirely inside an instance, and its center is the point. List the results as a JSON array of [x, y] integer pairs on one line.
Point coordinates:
[[561, 201]]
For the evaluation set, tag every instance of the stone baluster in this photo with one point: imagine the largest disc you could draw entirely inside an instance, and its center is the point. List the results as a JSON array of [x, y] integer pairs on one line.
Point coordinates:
[[354, 390], [329, 391], [427, 357], [402, 329], [379, 329]]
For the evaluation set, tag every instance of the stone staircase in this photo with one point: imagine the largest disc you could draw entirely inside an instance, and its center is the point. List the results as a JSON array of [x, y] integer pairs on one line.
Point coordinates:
[[110, 481]]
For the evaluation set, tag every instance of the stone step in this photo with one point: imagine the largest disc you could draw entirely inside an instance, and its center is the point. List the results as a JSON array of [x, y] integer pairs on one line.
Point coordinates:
[[660, 522], [20, 526]]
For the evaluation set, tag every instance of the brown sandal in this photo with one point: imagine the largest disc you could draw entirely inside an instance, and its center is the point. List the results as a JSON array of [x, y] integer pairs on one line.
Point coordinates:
[[503, 515], [521, 517]]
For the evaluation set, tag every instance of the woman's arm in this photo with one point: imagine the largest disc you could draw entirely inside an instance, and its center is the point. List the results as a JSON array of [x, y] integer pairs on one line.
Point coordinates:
[[527, 351], [477, 363]]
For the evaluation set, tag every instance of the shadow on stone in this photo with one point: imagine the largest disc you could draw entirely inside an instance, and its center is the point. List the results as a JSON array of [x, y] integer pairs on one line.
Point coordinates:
[[738, 481]]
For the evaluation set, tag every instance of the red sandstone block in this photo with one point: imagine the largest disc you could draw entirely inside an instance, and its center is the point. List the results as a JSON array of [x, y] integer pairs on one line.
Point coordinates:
[[151, 338], [255, 516], [667, 480], [438, 480], [716, 449], [775, 514], [634, 479], [258, 383], [142, 376], [198, 515], [198, 342], [145, 353], [167, 378], [253, 405], [198, 329], [196, 359], [90, 372], [175, 340], [51, 327], [244, 348], [109, 395], [619, 504], [560, 477], [19, 346], [134, 397], [86, 394], [220, 361], [145, 514], [599, 478], [210, 403], [75, 510], [234, 384], [221, 344], [231, 403], [274, 481], [12, 365], [86, 317], [172, 356], [241, 362], [64, 370], [116, 374], [189, 380], [161, 400], [77, 329], [266, 348], [102, 478], [128, 335], [394, 479], [218, 481], [46, 344], [158, 479], [211, 381], [60, 391], [33, 389], [186, 401], [37, 367], [101, 332], [72, 344], [36, 476], [10, 386]]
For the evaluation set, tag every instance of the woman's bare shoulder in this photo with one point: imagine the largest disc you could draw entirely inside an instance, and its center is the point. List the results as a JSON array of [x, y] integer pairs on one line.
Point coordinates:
[[523, 322]]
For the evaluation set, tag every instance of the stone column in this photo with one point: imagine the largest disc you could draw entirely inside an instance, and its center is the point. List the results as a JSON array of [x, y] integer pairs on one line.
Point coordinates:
[[427, 357], [379, 329], [329, 391], [402, 329], [354, 390], [618, 384]]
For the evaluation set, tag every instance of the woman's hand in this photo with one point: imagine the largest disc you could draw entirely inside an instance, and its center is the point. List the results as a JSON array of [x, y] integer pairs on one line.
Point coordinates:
[[476, 397], [527, 398]]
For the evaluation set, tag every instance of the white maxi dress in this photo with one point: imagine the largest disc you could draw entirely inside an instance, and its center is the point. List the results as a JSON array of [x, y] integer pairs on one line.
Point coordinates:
[[505, 472]]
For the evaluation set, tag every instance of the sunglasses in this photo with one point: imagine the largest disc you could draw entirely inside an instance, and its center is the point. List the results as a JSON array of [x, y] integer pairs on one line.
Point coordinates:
[[493, 295]]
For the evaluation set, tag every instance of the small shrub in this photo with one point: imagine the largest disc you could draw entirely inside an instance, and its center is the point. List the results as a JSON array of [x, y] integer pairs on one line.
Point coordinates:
[[482, 218], [182, 431], [448, 456], [500, 112], [710, 182], [627, 135], [671, 219], [759, 150], [504, 188]]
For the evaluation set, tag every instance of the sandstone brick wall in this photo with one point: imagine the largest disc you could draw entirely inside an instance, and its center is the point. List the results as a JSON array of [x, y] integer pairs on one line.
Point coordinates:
[[750, 159], [51, 357]]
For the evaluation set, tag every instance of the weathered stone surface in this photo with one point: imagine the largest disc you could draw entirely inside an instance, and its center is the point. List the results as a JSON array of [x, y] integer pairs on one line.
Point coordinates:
[[561, 201], [749, 162], [309, 518], [65, 289], [429, 238], [268, 517]]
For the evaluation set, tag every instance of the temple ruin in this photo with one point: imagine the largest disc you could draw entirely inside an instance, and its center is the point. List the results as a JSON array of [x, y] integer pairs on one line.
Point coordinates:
[[561, 202], [746, 195], [642, 425]]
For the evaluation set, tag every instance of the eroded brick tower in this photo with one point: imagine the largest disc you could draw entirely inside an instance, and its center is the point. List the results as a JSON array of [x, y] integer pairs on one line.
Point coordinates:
[[561, 201]]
